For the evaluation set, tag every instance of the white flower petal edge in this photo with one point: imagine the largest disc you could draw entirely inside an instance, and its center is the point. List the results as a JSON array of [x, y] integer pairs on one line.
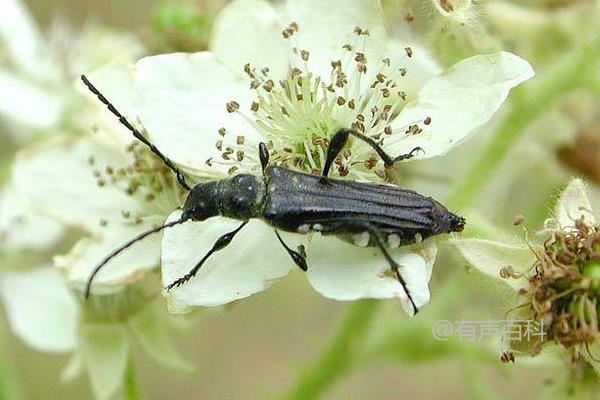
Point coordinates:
[[22, 38], [253, 23], [489, 257], [50, 327], [181, 100], [56, 181], [458, 101], [252, 261], [327, 25], [342, 271], [127, 267], [573, 204]]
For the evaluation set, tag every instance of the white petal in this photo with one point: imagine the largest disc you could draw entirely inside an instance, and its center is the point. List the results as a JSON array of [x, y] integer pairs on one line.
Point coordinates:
[[56, 180], [20, 228], [40, 309], [458, 101], [116, 84], [181, 100], [22, 38], [28, 104], [490, 257], [247, 31], [105, 350], [252, 261], [573, 204], [327, 25], [420, 66], [127, 267], [342, 271]]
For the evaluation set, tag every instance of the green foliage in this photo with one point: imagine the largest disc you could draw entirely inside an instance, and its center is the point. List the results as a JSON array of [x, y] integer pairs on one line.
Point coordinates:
[[182, 26], [528, 103]]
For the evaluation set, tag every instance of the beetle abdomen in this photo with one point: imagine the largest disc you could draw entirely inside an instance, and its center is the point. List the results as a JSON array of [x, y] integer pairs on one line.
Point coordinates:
[[303, 203]]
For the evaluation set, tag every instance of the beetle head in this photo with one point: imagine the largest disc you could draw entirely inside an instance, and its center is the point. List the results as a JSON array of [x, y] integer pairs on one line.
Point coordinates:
[[202, 202], [457, 223]]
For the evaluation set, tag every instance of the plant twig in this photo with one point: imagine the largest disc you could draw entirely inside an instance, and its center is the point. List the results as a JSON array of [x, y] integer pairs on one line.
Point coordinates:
[[321, 374]]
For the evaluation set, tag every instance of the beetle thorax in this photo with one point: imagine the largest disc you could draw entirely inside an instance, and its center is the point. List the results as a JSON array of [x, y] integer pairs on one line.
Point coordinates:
[[240, 197]]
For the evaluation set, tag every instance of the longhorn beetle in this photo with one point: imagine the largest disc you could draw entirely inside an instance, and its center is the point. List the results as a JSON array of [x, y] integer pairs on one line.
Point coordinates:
[[383, 216]]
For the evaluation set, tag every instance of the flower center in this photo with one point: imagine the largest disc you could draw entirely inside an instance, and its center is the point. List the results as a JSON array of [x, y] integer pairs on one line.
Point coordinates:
[[300, 113], [564, 290], [146, 178]]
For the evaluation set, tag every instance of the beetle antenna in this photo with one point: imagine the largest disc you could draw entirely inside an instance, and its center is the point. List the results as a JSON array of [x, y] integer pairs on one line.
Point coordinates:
[[136, 133], [125, 246]]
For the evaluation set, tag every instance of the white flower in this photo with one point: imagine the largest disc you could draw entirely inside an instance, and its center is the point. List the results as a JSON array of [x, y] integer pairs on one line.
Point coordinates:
[[36, 77], [110, 194], [99, 344], [71, 180], [131, 192], [490, 257], [50, 184], [557, 278], [335, 68], [454, 103]]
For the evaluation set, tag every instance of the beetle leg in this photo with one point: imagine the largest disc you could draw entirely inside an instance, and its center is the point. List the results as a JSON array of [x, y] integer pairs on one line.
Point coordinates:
[[299, 256], [393, 265], [338, 141], [409, 155], [263, 153], [220, 244]]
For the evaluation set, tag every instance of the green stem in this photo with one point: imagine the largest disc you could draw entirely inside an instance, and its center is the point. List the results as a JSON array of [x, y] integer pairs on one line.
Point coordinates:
[[9, 383], [130, 385], [5, 166], [337, 359], [529, 102]]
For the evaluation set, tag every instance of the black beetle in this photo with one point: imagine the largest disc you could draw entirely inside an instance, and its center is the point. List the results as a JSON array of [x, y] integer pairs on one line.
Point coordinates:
[[364, 213]]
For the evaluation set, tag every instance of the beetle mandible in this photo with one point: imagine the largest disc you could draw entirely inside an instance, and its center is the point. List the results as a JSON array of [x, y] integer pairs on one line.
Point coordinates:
[[367, 214]]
